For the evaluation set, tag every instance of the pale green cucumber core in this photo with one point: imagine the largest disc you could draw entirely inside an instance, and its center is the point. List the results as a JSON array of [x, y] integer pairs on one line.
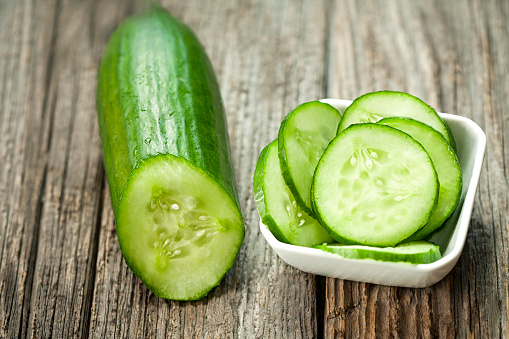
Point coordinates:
[[374, 186], [174, 221]]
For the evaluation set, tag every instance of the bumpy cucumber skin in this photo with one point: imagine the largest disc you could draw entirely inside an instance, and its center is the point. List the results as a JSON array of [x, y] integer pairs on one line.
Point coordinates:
[[327, 227], [260, 195], [283, 159], [449, 136], [384, 254], [157, 94]]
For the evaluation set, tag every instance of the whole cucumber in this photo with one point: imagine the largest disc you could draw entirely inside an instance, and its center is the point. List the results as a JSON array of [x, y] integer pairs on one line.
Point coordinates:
[[167, 157]]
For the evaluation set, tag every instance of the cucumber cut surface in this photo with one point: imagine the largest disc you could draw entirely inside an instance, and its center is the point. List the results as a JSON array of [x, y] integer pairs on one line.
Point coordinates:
[[418, 252], [173, 223], [446, 164], [277, 206], [374, 185], [372, 107], [303, 136]]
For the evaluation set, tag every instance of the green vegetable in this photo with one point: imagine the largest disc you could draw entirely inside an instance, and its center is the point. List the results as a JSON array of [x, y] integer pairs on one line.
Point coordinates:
[[166, 153], [418, 252], [374, 185], [303, 136], [277, 206], [375, 106], [446, 164]]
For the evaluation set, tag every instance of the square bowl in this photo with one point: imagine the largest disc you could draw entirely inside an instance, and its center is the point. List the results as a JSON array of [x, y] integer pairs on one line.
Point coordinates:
[[470, 144]]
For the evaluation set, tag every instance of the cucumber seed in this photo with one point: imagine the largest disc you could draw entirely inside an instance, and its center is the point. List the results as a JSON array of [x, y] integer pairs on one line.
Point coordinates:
[[369, 164]]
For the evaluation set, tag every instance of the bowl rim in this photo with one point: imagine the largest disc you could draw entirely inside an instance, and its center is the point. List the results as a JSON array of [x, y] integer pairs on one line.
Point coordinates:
[[463, 219]]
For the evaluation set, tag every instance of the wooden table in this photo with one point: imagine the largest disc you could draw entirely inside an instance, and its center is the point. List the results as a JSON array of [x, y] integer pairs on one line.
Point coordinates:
[[61, 271]]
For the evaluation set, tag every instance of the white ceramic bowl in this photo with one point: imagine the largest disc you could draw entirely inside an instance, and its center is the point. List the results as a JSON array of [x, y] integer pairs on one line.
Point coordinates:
[[471, 144]]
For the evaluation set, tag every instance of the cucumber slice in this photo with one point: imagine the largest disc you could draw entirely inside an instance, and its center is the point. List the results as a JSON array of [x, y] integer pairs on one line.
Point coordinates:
[[374, 185], [277, 206], [446, 164], [303, 136], [375, 106], [179, 230], [418, 252]]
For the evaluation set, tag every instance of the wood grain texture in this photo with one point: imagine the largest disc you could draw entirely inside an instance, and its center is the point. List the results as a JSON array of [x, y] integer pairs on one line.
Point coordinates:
[[65, 260], [454, 56], [26, 32], [268, 58], [61, 271]]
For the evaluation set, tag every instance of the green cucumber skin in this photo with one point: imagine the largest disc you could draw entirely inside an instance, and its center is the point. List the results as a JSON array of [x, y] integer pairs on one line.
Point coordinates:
[[432, 255], [449, 136], [260, 196], [160, 100], [283, 159], [154, 101], [284, 168]]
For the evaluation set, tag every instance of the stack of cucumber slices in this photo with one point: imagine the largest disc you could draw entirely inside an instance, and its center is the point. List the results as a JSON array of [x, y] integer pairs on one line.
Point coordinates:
[[372, 183]]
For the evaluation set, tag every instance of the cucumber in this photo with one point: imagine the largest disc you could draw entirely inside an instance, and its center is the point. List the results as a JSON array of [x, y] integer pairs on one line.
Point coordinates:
[[374, 185], [167, 157], [277, 206], [418, 252], [375, 106], [446, 164], [303, 136]]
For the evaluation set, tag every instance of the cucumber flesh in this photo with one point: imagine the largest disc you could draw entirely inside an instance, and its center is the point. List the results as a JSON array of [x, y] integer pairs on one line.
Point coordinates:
[[303, 136], [374, 185], [446, 164], [372, 107], [418, 252], [277, 206], [173, 223]]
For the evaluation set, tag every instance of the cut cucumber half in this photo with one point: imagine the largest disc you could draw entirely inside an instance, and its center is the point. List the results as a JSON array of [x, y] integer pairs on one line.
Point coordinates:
[[446, 164], [418, 252], [303, 136], [179, 230], [374, 185], [277, 206], [375, 106], [167, 156]]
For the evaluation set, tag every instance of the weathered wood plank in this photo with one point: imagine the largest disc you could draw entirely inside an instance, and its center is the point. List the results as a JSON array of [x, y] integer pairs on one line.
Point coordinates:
[[454, 56], [26, 32], [58, 243], [67, 244], [268, 57]]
